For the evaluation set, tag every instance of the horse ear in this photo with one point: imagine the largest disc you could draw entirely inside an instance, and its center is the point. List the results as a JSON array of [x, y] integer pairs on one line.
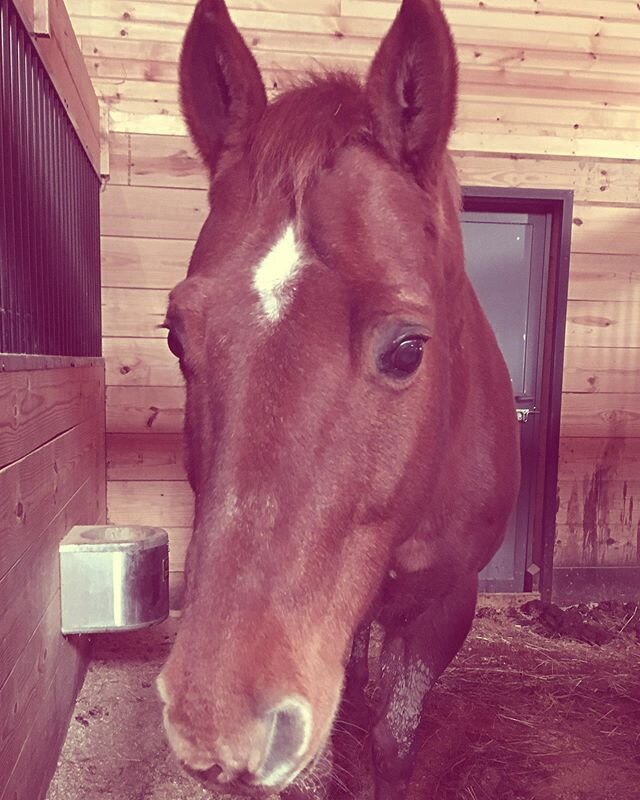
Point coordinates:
[[412, 87], [221, 91]]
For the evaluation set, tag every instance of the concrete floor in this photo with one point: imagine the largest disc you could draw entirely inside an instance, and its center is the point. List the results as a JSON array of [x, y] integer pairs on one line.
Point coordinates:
[[116, 747]]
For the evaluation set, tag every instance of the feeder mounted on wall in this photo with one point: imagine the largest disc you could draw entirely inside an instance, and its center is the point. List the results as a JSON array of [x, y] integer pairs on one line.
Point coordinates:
[[113, 578]]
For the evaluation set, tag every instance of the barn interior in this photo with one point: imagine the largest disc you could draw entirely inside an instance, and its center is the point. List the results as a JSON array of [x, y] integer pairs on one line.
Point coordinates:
[[102, 196]]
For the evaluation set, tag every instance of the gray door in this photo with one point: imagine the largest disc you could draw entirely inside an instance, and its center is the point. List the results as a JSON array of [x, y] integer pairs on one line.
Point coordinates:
[[506, 255]]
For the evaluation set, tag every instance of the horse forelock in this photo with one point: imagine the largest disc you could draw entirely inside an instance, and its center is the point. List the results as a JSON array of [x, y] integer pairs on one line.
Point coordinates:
[[302, 129]]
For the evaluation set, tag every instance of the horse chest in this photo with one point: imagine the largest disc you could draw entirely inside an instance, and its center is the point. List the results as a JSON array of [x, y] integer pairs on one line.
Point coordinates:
[[403, 596]]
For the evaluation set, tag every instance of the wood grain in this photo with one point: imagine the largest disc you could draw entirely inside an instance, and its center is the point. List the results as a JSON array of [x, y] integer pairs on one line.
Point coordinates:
[[603, 323], [598, 276], [163, 503], [38, 486], [144, 263], [602, 370], [28, 589], [140, 362], [37, 406], [145, 409], [153, 213], [134, 312], [139, 457], [602, 416]]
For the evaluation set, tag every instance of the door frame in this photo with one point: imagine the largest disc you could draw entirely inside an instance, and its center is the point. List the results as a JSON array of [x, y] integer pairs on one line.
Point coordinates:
[[558, 206]]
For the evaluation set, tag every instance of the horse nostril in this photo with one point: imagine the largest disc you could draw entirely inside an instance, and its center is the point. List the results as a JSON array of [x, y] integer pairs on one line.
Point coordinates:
[[288, 742]]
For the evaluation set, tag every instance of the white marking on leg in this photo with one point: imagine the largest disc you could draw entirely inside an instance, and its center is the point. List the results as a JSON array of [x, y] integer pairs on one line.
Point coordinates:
[[405, 708], [274, 274]]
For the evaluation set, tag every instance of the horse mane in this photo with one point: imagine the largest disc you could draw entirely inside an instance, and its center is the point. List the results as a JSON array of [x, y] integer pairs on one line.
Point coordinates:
[[302, 129]]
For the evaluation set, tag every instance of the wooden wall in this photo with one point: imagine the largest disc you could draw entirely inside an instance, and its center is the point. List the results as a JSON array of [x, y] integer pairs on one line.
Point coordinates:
[[51, 478], [550, 97]]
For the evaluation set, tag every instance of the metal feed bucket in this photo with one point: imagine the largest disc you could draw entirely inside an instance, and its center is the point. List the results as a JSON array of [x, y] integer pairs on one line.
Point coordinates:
[[113, 578]]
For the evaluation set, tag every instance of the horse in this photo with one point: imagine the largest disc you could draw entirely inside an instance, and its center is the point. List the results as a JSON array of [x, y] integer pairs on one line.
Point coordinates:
[[350, 432]]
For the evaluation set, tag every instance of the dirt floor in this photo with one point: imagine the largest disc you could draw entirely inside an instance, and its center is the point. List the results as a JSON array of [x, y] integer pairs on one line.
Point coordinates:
[[541, 704]]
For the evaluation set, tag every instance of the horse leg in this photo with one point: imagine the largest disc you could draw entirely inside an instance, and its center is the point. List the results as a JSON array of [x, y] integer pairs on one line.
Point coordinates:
[[413, 658]]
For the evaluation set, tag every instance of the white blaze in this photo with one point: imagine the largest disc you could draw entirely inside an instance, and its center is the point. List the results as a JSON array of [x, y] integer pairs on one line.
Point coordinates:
[[275, 272]]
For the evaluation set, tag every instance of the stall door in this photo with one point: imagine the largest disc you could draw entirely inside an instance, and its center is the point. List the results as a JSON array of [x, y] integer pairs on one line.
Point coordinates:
[[506, 258]]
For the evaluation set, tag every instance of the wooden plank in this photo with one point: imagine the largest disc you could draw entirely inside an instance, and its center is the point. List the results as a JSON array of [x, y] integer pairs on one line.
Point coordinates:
[[581, 36], [166, 161], [578, 457], [127, 121], [312, 19], [140, 409], [26, 690], [601, 370], [615, 9], [594, 276], [140, 362], [137, 457], [542, 145], [601, 415], [171, 161], [591, 180], [28, 588], [606, 229], [176, 590], [163, 503], [616, 546], [134, 312], [607, 501], [601, 323], [37, 487], [35, 407], [156, 213], [29, 775], [41, 19], [179, 539], [143, 262], [25, 362], [583, 120], [550, 127], [317, 51]]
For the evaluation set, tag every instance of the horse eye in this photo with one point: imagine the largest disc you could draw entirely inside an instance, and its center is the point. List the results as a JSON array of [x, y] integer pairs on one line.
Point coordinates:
[[404, 358], [175, 345]]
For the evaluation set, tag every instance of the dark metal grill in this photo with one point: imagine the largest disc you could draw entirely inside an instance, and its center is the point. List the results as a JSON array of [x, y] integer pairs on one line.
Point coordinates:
[[49, 212]]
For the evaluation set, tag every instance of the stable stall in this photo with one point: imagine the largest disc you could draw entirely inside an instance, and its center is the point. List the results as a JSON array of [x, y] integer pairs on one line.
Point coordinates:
[[102, 197]]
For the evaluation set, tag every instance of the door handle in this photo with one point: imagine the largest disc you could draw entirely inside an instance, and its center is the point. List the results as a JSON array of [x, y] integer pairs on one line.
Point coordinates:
[[523, 414]]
